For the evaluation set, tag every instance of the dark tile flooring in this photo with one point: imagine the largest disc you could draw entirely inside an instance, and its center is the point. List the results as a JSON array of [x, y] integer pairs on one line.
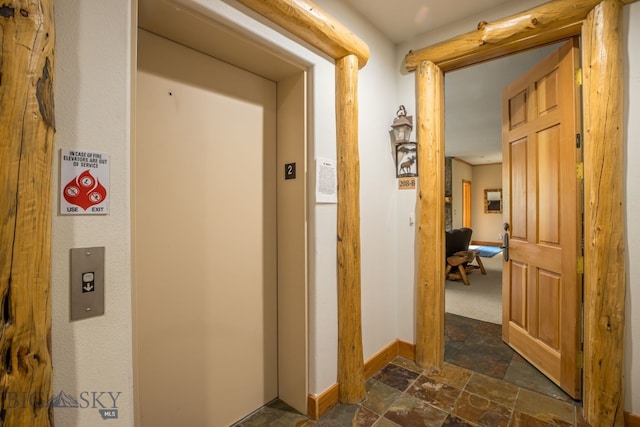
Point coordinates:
[[482, 383]]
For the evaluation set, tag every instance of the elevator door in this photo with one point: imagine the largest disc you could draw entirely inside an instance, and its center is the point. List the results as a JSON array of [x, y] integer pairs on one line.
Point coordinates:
[[204, 198]]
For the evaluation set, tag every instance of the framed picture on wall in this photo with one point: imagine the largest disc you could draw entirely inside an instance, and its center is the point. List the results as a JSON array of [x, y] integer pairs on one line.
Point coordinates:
[[493, 201], [406, 160]]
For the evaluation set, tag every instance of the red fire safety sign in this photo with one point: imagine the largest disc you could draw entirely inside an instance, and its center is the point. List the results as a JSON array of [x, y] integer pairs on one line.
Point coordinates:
[[84, 183]]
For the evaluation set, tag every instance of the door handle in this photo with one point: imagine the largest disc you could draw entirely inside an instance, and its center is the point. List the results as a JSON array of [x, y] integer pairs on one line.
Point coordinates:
[[505, 242]]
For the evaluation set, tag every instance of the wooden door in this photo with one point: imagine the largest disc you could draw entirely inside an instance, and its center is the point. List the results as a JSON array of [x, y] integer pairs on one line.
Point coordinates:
[[542, 285], [205, 238], [466, 203]]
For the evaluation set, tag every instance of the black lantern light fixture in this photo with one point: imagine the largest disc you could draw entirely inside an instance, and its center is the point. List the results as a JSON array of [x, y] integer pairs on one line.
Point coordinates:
[[401, 126], [405, 151]]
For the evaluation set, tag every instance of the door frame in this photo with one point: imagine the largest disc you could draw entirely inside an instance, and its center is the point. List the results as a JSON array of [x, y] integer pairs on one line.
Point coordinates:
[[291, 146], [467, 194], [600, 25]]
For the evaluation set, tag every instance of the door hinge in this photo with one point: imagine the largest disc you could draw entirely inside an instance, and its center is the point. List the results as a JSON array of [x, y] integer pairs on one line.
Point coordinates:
[[580, 265], [579, 359], [579, 77], [580, 170]]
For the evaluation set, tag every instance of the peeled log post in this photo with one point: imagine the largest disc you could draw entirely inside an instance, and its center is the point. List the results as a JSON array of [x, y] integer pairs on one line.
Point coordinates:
[[306, 20], [604, 274], [26, 147], [313, 25], [546, 23], [350, 357], [430, 216]]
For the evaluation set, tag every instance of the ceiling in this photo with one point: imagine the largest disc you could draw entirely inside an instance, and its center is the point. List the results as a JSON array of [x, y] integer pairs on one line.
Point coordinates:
[[401, 20], [473, 108]]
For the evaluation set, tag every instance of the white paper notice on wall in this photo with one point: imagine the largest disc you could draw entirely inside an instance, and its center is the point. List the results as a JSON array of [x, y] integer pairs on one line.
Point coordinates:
[[84, 183], [326, 181]]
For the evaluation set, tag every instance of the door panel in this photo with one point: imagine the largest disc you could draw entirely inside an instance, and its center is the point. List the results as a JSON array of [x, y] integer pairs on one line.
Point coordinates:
[[548, 293], [205, 238], [548, 170], [518, 310], [542, 289], [518, 173]]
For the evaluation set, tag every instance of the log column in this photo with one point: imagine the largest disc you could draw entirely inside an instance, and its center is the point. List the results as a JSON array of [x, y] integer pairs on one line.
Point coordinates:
[[350, 356], [309, 22], [604, 274], [26, 147], [430, 245]]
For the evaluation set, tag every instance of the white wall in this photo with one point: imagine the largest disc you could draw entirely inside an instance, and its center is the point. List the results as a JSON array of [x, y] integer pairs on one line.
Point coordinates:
[[631, 32], [92, 97]]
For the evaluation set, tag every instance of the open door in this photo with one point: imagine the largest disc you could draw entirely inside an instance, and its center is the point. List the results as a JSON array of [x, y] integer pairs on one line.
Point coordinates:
[[466, 203], [542, 285]]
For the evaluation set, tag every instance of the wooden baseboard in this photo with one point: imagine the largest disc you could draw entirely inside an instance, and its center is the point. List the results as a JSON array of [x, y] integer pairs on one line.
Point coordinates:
[[406, 350], [381, 358], [480, 243], [320, 404], [631, 420]]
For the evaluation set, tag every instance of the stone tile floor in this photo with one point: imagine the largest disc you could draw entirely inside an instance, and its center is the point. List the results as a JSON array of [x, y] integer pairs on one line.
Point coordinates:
[[482, 383]]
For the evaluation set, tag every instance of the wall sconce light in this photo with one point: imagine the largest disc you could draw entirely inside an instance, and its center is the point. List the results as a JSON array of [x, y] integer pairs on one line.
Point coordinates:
[[406, 153], [401, 126]]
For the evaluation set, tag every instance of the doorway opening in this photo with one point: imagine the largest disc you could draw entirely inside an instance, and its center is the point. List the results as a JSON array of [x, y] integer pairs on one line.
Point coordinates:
[[466, 203], [482, 301]]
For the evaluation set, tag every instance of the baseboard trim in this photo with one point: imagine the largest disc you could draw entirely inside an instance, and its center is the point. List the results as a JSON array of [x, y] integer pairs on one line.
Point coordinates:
[[381, 358], [481, 243], [407, 350], [631, 420], [320, 404]]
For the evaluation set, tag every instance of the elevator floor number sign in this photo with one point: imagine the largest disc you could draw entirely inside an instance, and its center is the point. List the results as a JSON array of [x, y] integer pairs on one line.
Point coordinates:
[[84, 183]]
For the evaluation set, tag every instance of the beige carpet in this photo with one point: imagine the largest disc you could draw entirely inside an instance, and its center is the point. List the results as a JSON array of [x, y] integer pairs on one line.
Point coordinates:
[[481, 300]]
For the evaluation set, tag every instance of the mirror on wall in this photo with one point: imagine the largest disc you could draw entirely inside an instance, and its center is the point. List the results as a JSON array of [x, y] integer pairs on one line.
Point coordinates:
[[493, 200]]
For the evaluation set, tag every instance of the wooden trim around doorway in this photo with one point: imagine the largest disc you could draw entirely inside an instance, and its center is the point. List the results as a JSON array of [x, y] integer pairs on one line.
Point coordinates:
[[599, 24]]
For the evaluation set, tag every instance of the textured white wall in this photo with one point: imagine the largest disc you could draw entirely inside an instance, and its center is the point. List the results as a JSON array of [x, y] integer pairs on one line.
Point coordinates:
[[92, 97]]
